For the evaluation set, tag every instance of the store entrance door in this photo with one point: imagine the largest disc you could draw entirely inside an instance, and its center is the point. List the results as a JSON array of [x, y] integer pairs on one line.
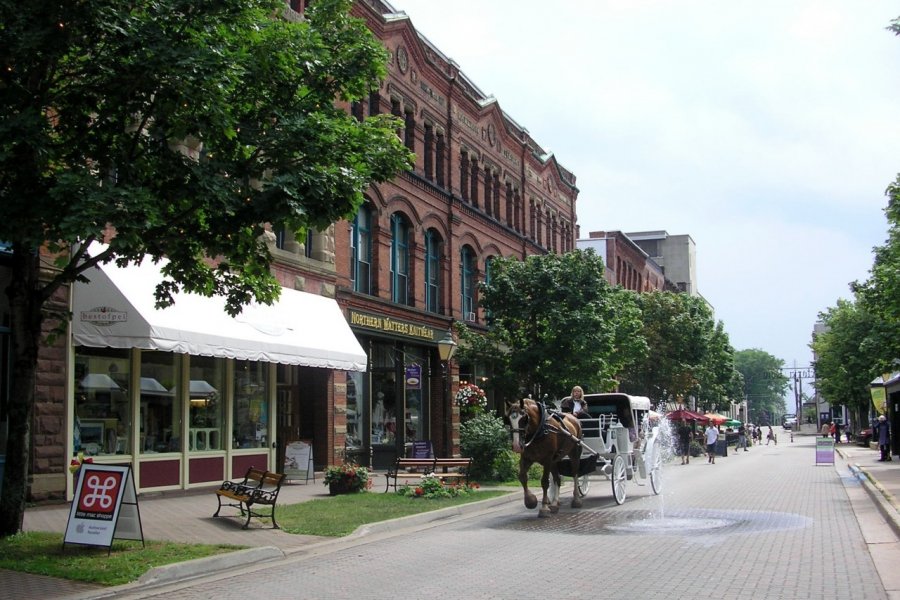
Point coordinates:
[[387, 402]]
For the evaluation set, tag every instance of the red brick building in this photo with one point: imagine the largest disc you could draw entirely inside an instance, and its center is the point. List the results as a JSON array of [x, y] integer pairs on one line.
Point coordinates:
[[626, 263], [188, 413]]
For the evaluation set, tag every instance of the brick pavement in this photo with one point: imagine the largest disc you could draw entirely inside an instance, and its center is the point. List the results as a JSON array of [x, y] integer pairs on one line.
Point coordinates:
[[187, 517], [792, 529]]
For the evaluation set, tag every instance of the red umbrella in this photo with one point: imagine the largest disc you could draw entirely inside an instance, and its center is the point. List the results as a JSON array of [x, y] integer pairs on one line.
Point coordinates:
[[716, 419], [687, 415]]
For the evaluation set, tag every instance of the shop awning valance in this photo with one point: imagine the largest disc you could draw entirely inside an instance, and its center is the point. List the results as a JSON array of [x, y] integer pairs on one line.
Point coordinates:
[[116, 309]]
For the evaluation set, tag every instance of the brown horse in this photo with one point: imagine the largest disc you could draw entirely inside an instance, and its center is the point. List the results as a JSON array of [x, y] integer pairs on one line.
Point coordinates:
[[544, 437]]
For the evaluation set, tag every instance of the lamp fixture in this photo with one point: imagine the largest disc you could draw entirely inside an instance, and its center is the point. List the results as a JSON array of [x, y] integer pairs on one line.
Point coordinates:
[[447, 347]]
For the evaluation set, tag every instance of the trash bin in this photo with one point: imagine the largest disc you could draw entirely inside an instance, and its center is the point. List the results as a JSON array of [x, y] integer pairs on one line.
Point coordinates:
[[721, 447]]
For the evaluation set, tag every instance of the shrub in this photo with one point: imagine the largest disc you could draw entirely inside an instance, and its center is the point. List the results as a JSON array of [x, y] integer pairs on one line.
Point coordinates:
[[484, 437]]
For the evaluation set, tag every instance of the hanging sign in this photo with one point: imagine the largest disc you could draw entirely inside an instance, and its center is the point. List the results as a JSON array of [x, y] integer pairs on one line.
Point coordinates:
[[298, 460], [413, 377], [105, 507], [824, 450]]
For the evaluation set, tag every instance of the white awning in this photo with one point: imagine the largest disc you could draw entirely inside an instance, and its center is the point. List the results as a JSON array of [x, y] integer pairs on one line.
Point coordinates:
[[116, 309]]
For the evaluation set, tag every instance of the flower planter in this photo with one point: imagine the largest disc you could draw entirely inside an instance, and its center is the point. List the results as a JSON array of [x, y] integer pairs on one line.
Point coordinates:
[[341, 487]]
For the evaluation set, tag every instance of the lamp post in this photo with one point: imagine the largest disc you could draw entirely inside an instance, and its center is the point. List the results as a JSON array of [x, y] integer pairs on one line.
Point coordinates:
[[446, 350]]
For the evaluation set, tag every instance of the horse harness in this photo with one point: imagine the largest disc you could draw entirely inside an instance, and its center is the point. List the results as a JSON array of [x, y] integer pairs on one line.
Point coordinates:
[[543, 428]]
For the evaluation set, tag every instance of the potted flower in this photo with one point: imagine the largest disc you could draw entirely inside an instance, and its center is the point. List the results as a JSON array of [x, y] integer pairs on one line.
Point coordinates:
[[347, 478], [75, 464], [471, 400]]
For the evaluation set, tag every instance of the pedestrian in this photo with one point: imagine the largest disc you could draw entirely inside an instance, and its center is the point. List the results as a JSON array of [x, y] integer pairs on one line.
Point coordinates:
[[742, 438], [684, 439], [826, 429], [770, 437], [882, 432], [757, 434], [837, 432], [712, 435]]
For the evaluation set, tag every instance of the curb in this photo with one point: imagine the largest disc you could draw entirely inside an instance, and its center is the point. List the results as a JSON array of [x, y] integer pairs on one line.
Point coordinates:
[[884, 500]]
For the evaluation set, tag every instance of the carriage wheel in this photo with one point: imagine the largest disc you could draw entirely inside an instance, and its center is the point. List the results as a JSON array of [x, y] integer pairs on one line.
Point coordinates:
[[619, 478], [656, 474], [584, 484]]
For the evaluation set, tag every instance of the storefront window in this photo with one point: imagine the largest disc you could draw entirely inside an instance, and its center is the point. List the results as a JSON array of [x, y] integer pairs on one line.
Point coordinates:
[[160, 409], [354, 410], [102, 402], [207, 404], [251, 404]]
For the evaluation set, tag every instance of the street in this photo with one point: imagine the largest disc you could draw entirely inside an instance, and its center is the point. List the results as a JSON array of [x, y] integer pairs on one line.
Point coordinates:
[[768, 523]]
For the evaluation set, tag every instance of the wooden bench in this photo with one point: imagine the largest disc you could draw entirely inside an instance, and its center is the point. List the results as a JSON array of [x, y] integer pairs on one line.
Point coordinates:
[[258, 487], [409, 469], [462, 468]]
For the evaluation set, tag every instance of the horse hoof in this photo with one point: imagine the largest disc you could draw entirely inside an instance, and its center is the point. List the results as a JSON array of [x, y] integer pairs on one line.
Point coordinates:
[[554, 509], [576, 503], [530, 502], [543, 513]]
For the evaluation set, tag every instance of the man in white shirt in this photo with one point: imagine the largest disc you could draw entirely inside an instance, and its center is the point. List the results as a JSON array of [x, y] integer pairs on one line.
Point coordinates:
[[712, 435]]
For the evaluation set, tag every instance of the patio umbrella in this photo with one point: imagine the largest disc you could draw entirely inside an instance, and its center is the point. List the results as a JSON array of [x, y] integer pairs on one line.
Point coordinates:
[[716, 418], [732, 423], [687, 415]]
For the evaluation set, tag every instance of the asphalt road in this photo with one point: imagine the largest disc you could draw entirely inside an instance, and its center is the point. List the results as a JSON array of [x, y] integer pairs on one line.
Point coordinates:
[[768, 523]]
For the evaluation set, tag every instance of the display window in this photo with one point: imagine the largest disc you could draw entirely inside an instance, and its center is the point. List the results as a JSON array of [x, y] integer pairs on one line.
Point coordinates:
[[102, 424]]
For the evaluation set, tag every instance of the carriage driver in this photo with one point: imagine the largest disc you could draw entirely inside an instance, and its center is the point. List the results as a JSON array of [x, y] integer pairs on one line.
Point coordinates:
[[576, 404]]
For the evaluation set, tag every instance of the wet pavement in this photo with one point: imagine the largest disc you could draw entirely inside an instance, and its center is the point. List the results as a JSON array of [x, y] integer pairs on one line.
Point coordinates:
[[187, 517]]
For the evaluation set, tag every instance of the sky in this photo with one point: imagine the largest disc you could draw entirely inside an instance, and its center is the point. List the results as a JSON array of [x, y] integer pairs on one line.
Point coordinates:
[[767, 130]]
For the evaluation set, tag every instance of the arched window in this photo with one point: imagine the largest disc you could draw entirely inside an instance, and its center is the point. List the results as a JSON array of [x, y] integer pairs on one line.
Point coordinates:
[[361, 251], [399, 259], [433, 251], [467, 283]]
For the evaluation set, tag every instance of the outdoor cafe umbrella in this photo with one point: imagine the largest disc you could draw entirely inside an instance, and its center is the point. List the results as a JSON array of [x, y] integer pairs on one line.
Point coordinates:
[[716, 418], [687, 415], [732, 423]]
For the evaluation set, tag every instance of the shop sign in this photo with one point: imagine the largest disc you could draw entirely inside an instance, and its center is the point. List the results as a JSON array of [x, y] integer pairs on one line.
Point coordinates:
[[413, 377], [392, 326], [104, 316], [824, 450], [298, 460], [105, 507]]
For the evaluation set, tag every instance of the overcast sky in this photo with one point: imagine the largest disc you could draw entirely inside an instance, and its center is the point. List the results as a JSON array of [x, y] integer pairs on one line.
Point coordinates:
[[767, 130]]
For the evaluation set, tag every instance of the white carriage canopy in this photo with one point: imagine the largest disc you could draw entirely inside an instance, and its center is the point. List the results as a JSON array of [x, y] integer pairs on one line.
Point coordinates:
[[116, 309]]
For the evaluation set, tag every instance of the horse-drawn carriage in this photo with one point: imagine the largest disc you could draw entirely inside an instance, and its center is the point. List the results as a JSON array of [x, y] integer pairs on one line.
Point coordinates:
[[621, 441]]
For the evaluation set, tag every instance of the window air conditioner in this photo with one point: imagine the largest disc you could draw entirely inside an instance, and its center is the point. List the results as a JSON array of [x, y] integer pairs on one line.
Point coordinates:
[[470, 316]]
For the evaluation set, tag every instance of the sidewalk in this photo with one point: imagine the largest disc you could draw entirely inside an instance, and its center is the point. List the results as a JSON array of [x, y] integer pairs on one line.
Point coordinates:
[[187, 517]]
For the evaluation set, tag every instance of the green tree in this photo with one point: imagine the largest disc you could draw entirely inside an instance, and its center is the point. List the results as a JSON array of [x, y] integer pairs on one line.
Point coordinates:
[[763, 383], [555, 323], [688, 353], [879, 295], [846, 357], [182, 127]]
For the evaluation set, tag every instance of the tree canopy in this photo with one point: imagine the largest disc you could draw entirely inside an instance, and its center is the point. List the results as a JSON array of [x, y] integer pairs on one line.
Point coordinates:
[[555, 323], [687, 352], [182, 127], [763, 384]]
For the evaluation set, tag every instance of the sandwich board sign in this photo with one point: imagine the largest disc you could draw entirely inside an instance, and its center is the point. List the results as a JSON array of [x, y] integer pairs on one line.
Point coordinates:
[[105, 507], [824, 450], [298, 461]]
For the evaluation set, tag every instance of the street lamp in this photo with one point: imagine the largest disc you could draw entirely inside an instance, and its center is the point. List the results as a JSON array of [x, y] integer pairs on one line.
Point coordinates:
[[446, 350]]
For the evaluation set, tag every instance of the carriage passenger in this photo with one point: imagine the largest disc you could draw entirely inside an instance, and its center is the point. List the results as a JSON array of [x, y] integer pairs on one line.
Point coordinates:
[[576, 404]]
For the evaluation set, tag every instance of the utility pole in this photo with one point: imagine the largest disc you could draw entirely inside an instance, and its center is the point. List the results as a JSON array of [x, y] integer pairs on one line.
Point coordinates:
[[797, 375]]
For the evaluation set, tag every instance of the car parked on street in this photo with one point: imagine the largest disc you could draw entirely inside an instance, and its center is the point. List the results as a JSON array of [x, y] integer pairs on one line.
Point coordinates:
[[789, 421]]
